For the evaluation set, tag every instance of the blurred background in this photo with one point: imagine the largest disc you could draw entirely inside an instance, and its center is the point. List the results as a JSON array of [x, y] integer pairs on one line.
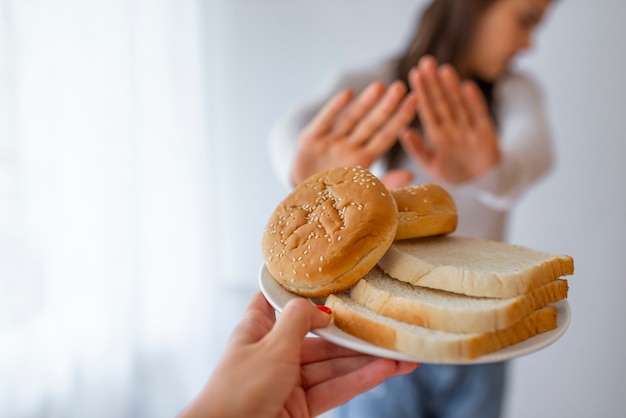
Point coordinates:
[[135, 184]]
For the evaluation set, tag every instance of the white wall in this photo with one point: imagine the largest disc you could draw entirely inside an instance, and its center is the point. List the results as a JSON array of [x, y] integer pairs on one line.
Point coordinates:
[[270, 54], [579, 210]]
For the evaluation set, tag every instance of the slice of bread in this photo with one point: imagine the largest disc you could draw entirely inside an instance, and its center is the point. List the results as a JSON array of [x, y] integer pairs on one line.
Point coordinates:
[[428, 345], [473, 266], [447, 311]]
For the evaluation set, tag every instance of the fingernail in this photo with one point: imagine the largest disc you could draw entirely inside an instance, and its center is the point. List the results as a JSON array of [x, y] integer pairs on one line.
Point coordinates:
[[325, 309]]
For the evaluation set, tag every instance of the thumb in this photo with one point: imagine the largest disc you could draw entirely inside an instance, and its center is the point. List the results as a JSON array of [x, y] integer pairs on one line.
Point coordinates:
[[413, 144], [297, 319]]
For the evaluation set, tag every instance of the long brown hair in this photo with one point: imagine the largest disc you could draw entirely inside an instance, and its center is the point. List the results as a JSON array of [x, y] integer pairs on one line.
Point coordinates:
[[444, 30]]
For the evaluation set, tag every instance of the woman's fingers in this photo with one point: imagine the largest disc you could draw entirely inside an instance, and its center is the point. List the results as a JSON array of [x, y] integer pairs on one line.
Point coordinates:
[[257, 321], [298, 318], [360, 107], [452, 88], [340, 389], [476, 104], [432, 98], [383, 139], [413, 144], [380, 114], [369, 124], [331, 361], [425, 109], [316, 349], [325, 118], [316, 373]]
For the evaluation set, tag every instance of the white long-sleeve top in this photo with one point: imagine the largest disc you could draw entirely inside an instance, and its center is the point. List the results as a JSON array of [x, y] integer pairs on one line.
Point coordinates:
[[483, 203]]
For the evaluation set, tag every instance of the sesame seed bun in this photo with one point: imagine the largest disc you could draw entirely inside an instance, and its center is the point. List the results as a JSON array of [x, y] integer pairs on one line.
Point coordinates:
[[329, 232], [424, 210]]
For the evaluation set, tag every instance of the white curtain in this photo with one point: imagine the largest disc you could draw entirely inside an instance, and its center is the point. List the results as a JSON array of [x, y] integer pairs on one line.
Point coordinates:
[[105, 256]]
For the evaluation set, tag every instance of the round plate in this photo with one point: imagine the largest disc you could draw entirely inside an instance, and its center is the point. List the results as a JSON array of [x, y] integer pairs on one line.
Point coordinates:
[[278, 297]]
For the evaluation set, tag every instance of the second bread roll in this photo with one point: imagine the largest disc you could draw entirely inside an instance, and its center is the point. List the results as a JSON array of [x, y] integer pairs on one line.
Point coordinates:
[[424, 210]]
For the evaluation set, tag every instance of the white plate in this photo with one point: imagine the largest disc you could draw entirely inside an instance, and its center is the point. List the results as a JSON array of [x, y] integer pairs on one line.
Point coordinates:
[[278, 297]]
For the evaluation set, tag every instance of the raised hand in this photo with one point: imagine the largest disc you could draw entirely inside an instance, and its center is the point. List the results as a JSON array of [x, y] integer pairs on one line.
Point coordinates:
[[459, 140], [350, 131]]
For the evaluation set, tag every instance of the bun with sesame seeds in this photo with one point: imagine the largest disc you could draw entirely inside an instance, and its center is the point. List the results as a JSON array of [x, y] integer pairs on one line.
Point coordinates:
[[329, 231], [424, 210]]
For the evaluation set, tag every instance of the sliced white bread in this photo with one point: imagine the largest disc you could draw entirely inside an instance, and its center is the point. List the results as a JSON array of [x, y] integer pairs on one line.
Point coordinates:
[[473, 266], [430, 345], [448, 311]]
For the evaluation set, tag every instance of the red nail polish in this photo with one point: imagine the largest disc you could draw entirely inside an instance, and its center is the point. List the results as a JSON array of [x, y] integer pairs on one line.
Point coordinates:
[[325, 309]]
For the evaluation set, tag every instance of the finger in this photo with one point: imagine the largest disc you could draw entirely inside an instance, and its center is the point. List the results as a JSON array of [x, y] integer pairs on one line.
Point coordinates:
[[322, 371], [425, 109], [380, 113], [452, 88], [433, 93], [388, 134], [414, 78], [405, 367], [337, 391], [476, 104], [259, 303], [332, 361], [324, 119], [353, 114], [257, 321], [298, 318], [413, 144], [316, 349]]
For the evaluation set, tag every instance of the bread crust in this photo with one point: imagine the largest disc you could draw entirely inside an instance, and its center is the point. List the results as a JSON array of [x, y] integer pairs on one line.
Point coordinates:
[[429, 345], [447, 311], [473, 266], [424, 210], [329, 232]]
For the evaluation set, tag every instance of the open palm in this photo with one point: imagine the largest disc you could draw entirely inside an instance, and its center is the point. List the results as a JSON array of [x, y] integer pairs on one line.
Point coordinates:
[[459, 140]]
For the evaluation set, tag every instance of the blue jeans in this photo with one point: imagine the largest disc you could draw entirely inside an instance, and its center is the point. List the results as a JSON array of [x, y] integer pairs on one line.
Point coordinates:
[[434, 391]]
